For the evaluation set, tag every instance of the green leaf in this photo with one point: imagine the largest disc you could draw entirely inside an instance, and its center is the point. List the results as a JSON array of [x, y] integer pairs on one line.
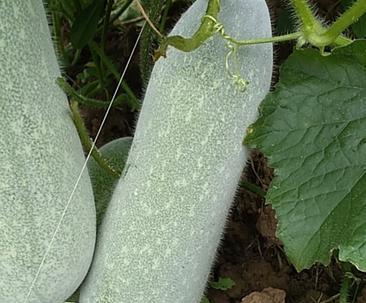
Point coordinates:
[[85, 25], [222, 284], [312, 128], [358, 28]]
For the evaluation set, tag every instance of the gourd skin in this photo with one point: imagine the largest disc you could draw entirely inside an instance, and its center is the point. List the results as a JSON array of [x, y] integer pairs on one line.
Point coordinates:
[[41, 158], [162, 227], [116, 153]]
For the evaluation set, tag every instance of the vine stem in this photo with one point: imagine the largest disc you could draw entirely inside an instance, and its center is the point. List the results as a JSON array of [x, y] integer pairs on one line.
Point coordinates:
[[344, 292], [71, 92], [346, 283], [88, 143], [350, 16], [316, 34], [305, 14], [292, 36], [312, 31]]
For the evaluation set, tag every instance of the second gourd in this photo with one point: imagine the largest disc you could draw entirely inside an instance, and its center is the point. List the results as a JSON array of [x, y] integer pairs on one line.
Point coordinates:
[[167, 215]]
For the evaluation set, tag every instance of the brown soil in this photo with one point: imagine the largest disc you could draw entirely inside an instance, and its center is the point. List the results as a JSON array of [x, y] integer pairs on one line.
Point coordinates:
[[253, 257]]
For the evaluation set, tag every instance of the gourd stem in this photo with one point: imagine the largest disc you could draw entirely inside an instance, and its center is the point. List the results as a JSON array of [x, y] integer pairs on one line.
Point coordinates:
[[346, 283], [205, 31], [71, 92], [350, 16], [344, 292], [292, 36], [87, 143], [305, 14]]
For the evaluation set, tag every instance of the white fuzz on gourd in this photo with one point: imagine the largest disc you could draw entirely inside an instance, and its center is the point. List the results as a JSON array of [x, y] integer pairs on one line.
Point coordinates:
[[40, 160], [167, 214]]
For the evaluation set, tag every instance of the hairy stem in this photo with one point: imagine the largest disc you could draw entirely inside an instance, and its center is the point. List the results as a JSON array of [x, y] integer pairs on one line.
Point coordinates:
[[87, 143], [292, 36], [316, 34], [71, 92], [346, 283], [305, 14], [350, 16]]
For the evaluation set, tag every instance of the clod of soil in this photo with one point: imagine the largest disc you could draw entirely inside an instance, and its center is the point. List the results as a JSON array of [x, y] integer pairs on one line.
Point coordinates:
[[267, 295]]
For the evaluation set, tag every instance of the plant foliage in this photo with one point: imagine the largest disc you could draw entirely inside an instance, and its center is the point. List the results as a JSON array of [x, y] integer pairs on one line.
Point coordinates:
[[312, 129]]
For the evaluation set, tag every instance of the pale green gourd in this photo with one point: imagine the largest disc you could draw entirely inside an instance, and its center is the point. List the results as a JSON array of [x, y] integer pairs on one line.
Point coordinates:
[[115, 152], [40, 160], [166, 217]]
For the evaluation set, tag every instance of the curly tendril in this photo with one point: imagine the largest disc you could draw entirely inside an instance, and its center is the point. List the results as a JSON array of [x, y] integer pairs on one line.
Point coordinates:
[[238, 81]]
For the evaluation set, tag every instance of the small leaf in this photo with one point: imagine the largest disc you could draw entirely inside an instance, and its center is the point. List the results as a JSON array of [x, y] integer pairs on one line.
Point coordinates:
[[222, 284], [312, 128], [86, 23]]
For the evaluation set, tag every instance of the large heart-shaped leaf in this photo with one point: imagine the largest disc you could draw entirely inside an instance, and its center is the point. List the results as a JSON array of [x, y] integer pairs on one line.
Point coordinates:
[[312, 128]]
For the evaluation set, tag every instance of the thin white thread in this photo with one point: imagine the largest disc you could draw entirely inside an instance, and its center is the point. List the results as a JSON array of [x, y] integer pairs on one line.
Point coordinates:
[[84, 166]]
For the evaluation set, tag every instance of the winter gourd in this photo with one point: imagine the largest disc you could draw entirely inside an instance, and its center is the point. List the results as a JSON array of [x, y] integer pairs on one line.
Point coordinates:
[[116, 153], [40, 161], [166, 217]]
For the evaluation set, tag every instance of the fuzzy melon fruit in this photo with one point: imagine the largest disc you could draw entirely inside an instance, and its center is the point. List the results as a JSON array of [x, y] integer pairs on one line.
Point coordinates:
[[166, 217], [41, 158]]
